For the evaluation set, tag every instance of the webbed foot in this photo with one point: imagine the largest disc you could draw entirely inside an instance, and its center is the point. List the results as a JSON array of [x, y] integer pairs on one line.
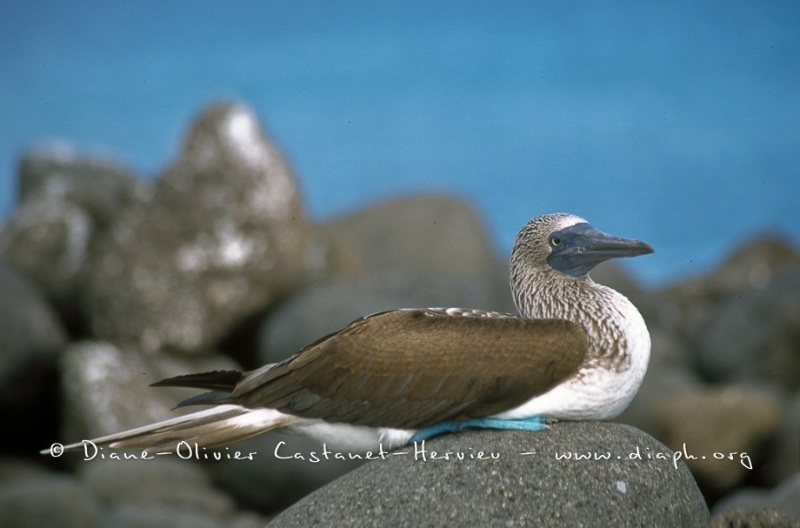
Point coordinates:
[[453, 426]]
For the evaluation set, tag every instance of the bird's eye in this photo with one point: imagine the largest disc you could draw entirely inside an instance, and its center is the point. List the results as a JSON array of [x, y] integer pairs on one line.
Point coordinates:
[[555, 241]]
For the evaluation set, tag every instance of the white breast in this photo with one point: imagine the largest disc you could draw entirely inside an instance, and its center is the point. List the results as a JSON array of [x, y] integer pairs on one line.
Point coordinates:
[[599, 390]]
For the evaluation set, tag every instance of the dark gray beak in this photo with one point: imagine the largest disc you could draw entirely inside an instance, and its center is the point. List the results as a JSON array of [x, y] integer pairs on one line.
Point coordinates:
[[579, 248]]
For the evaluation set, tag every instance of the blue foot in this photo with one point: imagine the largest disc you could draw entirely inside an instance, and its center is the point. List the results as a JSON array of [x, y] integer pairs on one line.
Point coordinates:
[[529, 424]]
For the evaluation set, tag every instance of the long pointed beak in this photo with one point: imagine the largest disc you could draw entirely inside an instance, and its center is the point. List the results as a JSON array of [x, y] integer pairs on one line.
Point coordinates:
[[582, 247]]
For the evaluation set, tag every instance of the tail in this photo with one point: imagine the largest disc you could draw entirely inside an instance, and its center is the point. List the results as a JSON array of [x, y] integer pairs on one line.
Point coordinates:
[[223, 424]]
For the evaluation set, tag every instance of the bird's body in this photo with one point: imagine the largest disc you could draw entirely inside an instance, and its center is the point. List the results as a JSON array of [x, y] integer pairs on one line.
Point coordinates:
[[578, 351]]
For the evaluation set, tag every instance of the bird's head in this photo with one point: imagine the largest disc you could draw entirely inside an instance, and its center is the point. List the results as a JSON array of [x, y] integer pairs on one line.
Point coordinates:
[[568, 244]]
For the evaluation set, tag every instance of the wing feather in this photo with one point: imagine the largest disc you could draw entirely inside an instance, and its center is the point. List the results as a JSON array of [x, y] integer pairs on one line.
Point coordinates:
[[411, 368]]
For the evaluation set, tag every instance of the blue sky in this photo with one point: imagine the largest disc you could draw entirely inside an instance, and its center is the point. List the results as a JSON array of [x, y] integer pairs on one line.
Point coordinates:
[[675, 122]]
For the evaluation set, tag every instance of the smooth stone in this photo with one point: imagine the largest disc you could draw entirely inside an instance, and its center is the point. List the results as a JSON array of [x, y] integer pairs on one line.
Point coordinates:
[[728, 421], [31, 338], [787, 443], [754, 336], [754, 518], [166, 480], [785, 497], [438, 234], [514, 489], [751, 265], [157, 516], [270, 484], [51, 500]]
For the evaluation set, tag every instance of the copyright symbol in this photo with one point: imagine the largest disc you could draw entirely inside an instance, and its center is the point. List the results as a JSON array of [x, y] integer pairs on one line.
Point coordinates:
[[56, 450]]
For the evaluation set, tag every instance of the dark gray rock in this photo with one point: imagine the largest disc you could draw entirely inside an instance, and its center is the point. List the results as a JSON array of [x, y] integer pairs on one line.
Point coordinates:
[[754, 518], [53, 500], [49, 242], [18, 468], [165, 481], [755, 336], [31, 337], [60, 172], [514, 489], [328, 306], [414, 251], [159, 516], [427, 234], [784, 498], [156, 516], [223, 236], [729, 420], [269, 484], [66, 198], [751, 266], [787, 444], [106, 388]]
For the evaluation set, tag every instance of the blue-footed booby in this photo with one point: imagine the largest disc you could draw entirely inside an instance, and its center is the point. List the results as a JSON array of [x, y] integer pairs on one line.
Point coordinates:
[[576, 351]]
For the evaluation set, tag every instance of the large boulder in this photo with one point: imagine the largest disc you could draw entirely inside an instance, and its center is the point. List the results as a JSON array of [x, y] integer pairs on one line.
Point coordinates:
[[224, 235], [755, 335], [106, 387], [752, 265], [67, 198], [574, 474], [724, 429], [440, 234], [31, 338]]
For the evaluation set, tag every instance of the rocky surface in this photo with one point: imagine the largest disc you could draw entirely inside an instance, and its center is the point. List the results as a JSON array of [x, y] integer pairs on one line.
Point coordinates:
[[755, 518], [785, 498], [155, 493], [106, 388], [31, 337], [111, 282], [505, 487], [67, 199], [224, 235]]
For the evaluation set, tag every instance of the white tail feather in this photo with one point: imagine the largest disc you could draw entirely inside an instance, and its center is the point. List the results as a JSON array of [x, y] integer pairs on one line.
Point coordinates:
[[213, 427]]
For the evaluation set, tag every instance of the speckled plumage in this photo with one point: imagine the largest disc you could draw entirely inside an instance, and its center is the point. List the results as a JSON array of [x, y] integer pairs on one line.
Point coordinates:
[[578, 350]]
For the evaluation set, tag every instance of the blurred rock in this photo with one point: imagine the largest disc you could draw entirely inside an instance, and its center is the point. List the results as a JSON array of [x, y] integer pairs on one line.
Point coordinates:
[[161, 516], [31, 337], [727, 421], [106, 388], [52, 500], [428, 234], [66, 198], [328, 306], [754, 518], [98, 186], [157, 516], [755, 335], [619, 491], [669, 373], [784, 498], [783, 459], [223, 236], [165, 481], [18, 468], [751, 266], [269, 484]]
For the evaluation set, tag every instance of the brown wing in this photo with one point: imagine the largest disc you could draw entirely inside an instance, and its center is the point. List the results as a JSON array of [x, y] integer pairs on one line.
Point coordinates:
[[411, 368]]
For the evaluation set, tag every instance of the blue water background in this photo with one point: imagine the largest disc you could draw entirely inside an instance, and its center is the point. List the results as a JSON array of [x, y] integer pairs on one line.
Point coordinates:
[[674, 122]]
